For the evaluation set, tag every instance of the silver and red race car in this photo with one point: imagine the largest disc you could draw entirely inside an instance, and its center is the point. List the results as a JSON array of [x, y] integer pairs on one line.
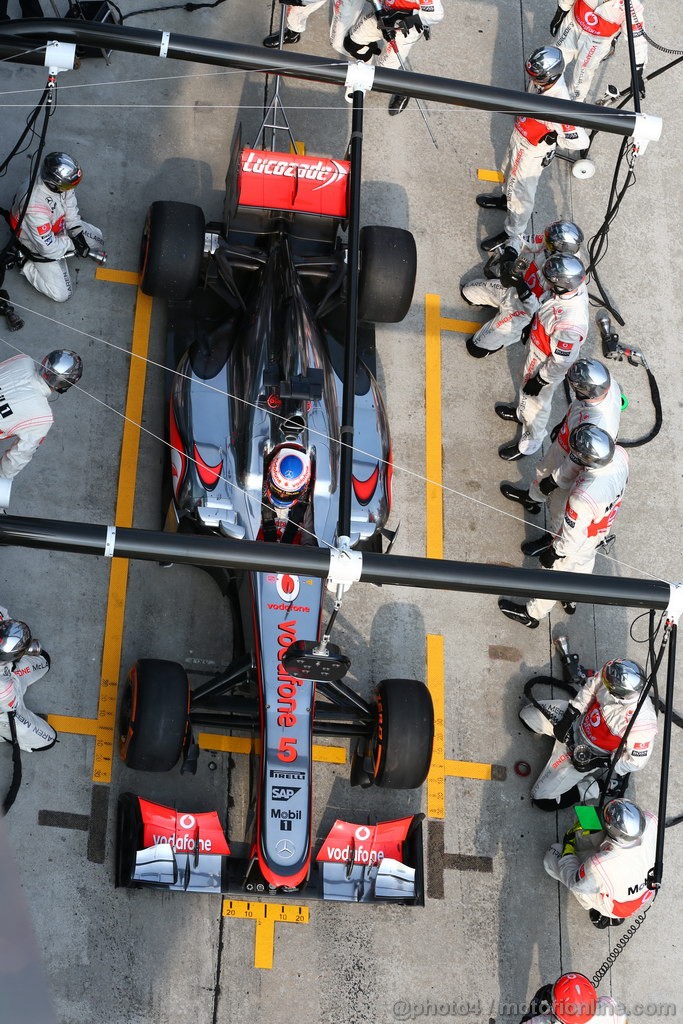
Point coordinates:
[[278, 435]]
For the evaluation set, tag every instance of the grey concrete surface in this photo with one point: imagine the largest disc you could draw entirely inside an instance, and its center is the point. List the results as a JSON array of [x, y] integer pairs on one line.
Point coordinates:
[[144, 130]]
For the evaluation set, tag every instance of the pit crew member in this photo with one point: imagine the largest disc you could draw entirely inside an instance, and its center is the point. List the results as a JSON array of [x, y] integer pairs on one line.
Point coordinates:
[[555, 335], [588, 729], [25, 413], [517, 291], [22, 662], [573, 999], [609, 879], [531, 148], [389, 34], [52, 227], [597, 400], [586, 31], [344, 14], [592, 506]]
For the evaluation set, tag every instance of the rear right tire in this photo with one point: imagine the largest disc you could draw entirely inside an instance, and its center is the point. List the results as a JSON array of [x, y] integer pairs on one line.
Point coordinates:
[[172, 250]]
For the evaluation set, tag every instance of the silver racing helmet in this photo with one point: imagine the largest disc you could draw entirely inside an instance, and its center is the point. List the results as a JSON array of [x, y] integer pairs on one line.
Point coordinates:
[[15, 638], [563, 236], [545, 65], [60, 369], [590, 446], [564, 273], [624, 822], [589, 378], [60, 172], [289, 475], [623, 678]]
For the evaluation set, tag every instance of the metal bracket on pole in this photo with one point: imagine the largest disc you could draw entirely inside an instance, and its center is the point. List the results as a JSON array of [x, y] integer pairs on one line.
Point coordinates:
[[648, 128], [346, 567], [675, 607], [59, 56], [359, 77]]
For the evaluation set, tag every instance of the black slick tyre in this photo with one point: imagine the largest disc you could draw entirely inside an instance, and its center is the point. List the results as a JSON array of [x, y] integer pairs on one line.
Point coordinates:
[[172, 250], [153, 718], [405, 734], [388, 266]]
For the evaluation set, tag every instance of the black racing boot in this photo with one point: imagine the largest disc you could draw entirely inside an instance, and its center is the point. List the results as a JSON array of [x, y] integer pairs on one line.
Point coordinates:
[[600, 921], [397, 104], [494, 241], [536, 547], [289, 39], [14, 321], [521, 496], [510, 452], [506, 412], [476, 350], [492, 202], [569, 606], [517, 612]]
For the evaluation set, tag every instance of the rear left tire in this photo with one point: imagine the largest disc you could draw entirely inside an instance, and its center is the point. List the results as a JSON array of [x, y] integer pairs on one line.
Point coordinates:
[[388, 267]]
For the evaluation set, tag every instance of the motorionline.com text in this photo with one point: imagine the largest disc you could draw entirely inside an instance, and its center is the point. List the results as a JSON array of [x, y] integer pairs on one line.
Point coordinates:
[[476, 1010]]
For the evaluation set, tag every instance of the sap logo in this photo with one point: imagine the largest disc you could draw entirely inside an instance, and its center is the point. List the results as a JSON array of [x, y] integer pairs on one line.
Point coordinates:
[[284, 792]]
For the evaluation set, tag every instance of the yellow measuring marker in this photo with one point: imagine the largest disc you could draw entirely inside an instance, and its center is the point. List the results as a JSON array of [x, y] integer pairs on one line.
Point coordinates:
[[125, 500], [266, 915], [436, 780], [484, 175]]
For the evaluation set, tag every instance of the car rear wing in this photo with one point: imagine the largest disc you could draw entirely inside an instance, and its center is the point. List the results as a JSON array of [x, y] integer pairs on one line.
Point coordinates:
[[161, 848]]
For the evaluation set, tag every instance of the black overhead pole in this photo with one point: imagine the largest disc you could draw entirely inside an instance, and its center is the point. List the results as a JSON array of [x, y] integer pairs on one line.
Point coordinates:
[[18, 36], [654, 878], [351, 332], [396, 570]]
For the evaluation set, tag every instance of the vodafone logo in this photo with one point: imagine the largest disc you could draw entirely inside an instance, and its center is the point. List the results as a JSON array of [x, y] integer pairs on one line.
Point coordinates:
[[591, 18], [187, 821], [287, 586], [362, 833], [594, 718]]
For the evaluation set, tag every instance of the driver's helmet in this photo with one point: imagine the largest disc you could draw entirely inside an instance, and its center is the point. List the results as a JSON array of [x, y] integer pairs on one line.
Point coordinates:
[[288, 477]]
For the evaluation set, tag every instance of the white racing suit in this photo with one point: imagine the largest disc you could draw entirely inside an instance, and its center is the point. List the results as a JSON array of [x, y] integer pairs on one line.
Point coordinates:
[[592, 506], [33, 733], [50, 221], [367, 30], [608, 1012], [344, 13], [528, 152], [611, 879], [601, 726], [558, 330], [602, 412], [25, 413], [587, 34], [513, 313]]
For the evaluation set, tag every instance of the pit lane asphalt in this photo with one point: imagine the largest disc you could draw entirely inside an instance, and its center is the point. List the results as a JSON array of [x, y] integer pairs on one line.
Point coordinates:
[[488, 937]]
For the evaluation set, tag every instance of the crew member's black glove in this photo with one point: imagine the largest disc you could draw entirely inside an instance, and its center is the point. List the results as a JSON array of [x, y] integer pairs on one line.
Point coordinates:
[[548, 558], [547, 486], [562, 728], [80, 245], [534, 385], [526, 331], [523, 290], [508, 257], [558, 18], [641, 81], [399, 21]]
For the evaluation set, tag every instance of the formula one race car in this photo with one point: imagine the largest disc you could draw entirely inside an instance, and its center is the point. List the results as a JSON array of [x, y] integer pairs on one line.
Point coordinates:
[[273, 367]]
